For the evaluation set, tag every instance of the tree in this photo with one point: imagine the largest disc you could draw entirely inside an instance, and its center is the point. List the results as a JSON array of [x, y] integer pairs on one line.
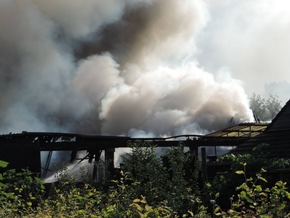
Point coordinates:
[[265, 109]]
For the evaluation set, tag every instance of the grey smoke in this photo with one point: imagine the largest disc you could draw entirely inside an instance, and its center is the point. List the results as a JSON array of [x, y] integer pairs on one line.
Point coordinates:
[[111, 67]]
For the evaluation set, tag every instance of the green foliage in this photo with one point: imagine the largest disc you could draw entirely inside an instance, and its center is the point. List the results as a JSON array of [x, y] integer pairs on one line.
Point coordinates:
[[253, 199], [71, 200], [171, 178], [146, 168], [19, 191], [181, 169], [152, 186], [225, 183], [144, 210], [3, 164]]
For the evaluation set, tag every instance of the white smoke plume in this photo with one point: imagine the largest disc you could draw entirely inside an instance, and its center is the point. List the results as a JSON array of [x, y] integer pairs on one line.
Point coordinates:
[[250, 38], [111, 67]]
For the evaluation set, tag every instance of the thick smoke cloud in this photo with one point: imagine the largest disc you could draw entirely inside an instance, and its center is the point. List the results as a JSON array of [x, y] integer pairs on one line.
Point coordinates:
[[250, 38], [80, 19], [111, 67]]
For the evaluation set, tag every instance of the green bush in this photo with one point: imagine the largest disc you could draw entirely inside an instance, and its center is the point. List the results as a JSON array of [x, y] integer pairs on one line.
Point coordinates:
[[226, 183], [253, 199], [171, 178], [149, 186], [20, 192]]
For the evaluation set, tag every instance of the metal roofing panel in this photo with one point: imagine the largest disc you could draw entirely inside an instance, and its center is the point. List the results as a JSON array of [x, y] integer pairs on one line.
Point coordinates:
[[241, 130]]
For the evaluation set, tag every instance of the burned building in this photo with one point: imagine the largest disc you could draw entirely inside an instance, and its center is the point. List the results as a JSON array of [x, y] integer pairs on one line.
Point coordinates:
[[24, 150]]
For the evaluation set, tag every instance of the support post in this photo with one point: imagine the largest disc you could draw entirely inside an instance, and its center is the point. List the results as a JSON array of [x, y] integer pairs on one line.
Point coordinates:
[[96, 170], [203, 164], [47, 163], [194, 151], [109, 163]]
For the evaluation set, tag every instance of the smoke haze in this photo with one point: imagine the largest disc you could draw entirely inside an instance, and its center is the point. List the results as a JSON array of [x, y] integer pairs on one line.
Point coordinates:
[[116, 67]]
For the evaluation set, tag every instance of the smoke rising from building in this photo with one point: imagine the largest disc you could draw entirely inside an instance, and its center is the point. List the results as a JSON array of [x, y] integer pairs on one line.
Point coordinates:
[[111, 67]]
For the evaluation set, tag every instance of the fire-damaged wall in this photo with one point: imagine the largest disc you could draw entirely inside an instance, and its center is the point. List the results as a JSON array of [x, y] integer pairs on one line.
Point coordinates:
[[20, 153]]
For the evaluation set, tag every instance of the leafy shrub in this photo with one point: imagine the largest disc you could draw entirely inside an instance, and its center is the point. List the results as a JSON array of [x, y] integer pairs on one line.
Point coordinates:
[[144, 167], [171, 178], [226, 183], [254, 199], [149, 186], [20, 191]]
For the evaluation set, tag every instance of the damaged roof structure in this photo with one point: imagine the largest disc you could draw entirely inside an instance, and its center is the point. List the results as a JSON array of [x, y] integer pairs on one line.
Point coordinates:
[[276, 136], [23, 150], [273, 140]]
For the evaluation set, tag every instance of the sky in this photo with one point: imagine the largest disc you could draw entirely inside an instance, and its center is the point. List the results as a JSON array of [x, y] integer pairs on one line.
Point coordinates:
[[139, 67]]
